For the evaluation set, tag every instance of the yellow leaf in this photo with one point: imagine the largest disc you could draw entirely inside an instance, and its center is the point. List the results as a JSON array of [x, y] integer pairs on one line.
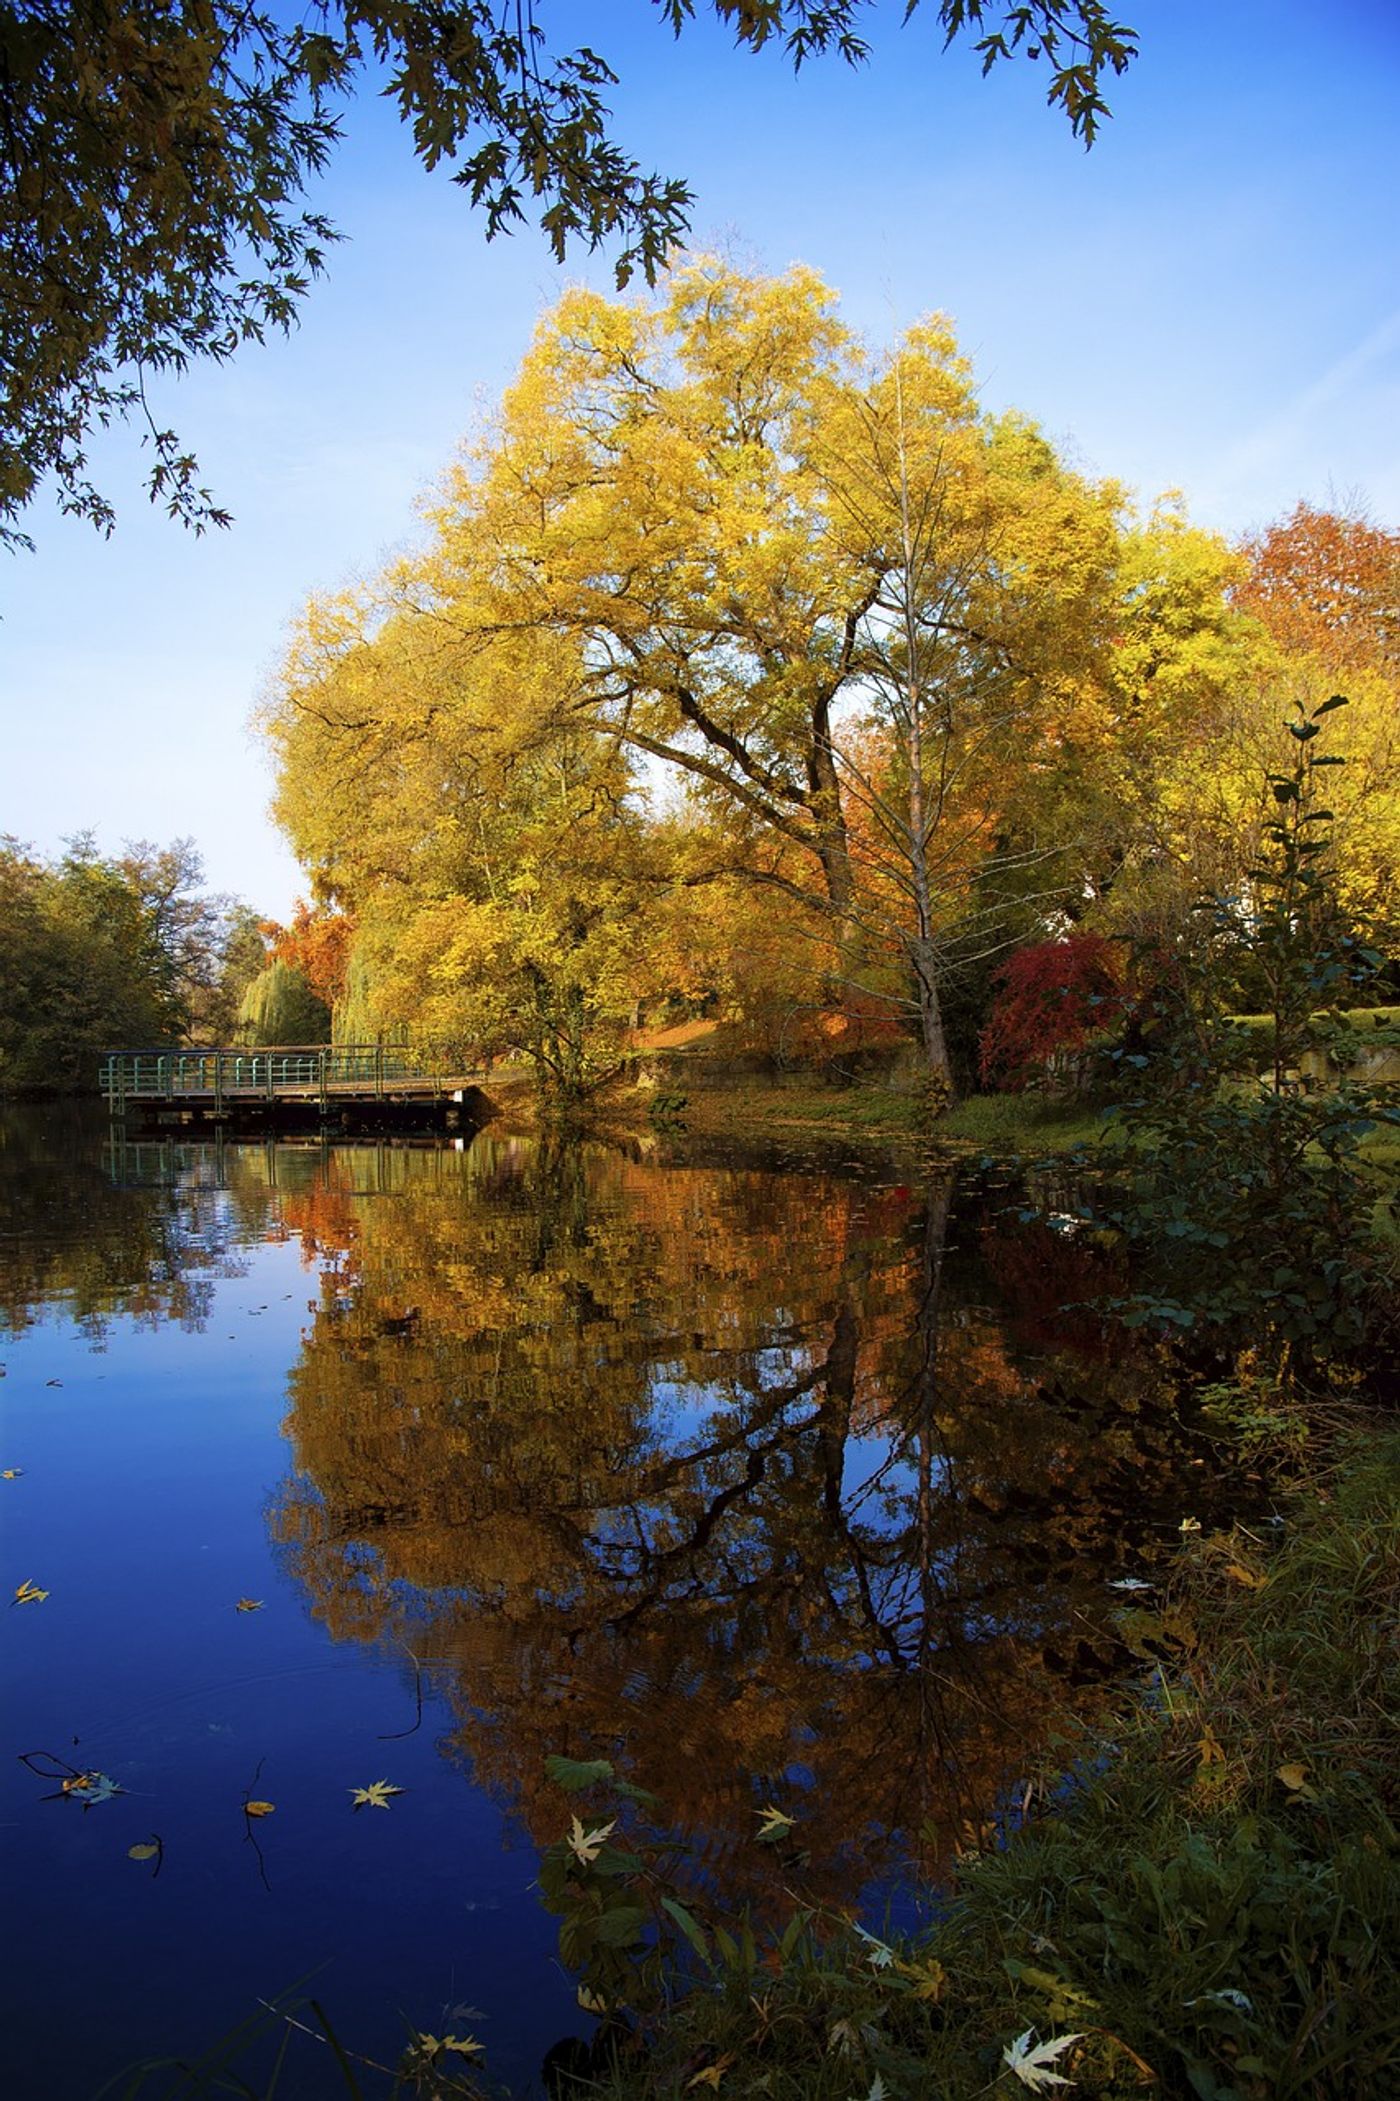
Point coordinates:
[[712, 2074], [10, 1473], [587, 1845], [1241, 1574], [774, 1824], [259, 1808], [1209, 1748], [29, 1594], [249, 1605], [1295, 1779], [927, 1978], [590, 2001], [142, 1852], [375, 1796]]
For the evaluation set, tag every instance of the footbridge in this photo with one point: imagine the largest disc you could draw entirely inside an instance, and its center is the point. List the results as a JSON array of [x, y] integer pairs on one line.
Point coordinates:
[[295, 1081]]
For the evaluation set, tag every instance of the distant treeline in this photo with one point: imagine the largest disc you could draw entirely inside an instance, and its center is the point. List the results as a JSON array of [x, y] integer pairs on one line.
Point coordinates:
[[99, 951]]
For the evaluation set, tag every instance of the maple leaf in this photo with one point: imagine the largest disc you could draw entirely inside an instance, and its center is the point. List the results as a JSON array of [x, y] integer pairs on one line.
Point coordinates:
[[249, 1605], [376, 1795], [1032, 2062], [89, 1788], [587, 1845], [433, 2046], [28, 1594], [775, 1825]]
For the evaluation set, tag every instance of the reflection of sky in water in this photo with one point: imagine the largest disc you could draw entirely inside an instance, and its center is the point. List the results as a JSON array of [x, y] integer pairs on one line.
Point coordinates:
[[147, 1469], [154, 1465]]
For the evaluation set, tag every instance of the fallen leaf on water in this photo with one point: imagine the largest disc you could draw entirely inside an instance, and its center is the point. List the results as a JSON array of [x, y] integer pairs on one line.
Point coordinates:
[[249, 1605], [147, 1852], [89, 1788], [259, 1808], [375, 1796], [28, 1594], [463, 2045], [10, 1473]]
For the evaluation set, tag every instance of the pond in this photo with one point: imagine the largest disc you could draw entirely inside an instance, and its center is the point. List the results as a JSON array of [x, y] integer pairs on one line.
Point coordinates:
[[786, 1480]]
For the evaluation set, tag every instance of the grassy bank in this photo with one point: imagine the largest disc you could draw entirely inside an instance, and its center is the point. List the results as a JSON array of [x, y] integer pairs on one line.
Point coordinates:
[[765, 1106], [1209, 1906]]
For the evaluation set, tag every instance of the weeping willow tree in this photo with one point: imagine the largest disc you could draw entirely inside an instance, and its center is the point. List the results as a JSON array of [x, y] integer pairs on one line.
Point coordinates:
[[280, 1007]]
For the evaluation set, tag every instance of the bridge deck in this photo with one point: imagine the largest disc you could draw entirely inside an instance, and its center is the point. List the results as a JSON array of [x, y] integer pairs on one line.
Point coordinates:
[[222, 1079]]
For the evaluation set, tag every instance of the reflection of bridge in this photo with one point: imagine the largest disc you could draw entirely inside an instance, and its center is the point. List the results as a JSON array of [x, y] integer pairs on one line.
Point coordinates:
[[323, 1081]]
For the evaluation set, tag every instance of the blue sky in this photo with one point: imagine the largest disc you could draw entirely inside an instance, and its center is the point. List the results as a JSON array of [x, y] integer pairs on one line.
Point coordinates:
[[1208, 301]]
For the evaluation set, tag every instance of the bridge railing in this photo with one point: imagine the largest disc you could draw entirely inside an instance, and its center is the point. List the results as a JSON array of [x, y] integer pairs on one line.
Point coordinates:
[[236, 1072]]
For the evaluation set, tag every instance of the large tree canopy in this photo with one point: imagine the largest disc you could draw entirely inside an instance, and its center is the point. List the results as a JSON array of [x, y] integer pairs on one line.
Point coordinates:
[[911, 674], [155, 157]]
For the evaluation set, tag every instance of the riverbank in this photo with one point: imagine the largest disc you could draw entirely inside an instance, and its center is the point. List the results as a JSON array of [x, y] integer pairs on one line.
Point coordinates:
[[708, 1098]]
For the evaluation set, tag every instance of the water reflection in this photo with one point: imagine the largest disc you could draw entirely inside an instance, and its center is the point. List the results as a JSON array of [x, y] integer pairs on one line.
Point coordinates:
[[757, 1482]]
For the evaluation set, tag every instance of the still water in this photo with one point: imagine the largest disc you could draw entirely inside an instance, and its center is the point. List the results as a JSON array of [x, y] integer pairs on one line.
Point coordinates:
[[777, 1480]]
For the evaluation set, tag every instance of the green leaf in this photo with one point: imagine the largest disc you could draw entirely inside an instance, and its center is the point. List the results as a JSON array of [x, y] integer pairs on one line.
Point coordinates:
[[574, 1774], [622, 1926], [689, 1925]]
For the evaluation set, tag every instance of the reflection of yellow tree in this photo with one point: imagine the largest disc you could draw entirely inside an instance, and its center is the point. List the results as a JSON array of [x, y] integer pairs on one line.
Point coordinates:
[[720, 1474]]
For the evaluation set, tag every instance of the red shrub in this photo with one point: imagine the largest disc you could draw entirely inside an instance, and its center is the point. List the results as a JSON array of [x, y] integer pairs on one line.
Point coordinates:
[[1053, 997]]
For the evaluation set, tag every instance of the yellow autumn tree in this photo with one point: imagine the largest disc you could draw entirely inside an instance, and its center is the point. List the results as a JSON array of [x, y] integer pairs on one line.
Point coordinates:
[[715, 534]]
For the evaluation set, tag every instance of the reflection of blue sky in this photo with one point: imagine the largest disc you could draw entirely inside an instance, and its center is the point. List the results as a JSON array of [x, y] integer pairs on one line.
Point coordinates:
[[147, 1471]]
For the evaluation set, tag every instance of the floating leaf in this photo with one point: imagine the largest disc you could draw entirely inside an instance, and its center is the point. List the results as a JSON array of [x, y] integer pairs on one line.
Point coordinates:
[[147, 1852], [774, 1825], [433, 2046], [249, 1605], [11, 1473], [376, 1795], [259, 1808], [90, 1788], [29, 1594], [587, 1845], [1032, 2061]]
